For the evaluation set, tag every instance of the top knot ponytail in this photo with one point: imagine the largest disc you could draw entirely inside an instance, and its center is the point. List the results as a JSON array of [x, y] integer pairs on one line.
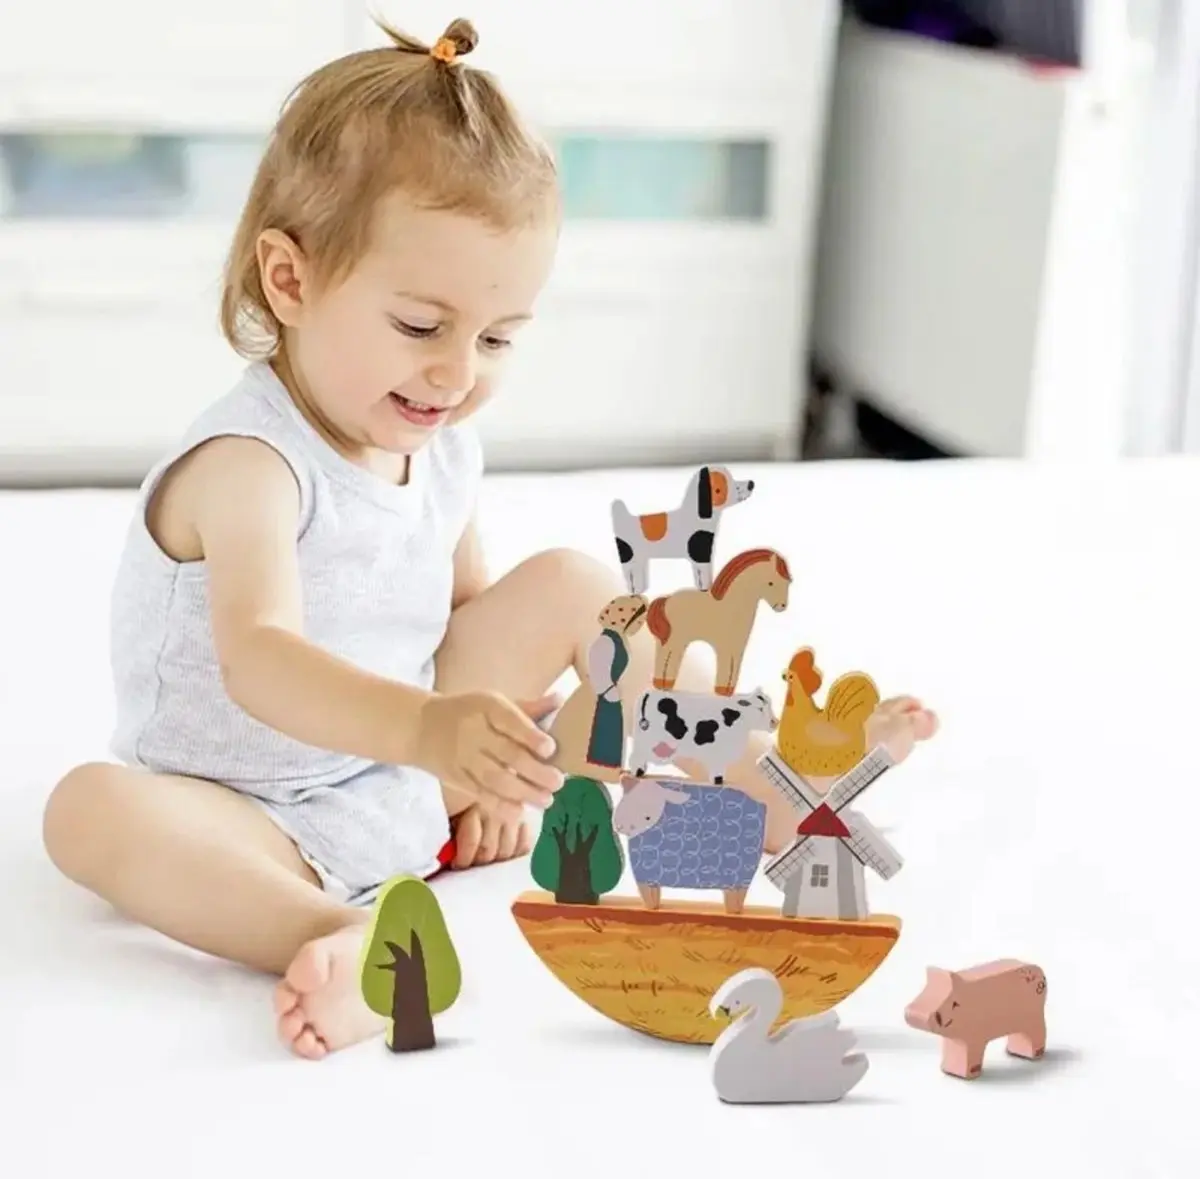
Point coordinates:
[[457, 41]]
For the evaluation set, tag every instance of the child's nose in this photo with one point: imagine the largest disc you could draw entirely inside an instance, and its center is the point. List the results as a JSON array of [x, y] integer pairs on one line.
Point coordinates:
[[451, 375]]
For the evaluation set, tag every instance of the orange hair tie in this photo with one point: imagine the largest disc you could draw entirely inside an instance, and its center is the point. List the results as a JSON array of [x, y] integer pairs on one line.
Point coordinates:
[[444, 50]]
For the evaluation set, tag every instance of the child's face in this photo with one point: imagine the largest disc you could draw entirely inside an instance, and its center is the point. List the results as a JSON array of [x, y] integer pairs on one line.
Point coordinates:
[[417, 335]]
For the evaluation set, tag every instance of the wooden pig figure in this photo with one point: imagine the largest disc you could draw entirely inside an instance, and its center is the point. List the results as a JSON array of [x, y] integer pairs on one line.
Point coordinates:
[[970, 1008]]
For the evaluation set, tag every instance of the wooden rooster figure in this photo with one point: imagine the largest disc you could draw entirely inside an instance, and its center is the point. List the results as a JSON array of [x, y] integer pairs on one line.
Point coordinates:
[[824, 743]]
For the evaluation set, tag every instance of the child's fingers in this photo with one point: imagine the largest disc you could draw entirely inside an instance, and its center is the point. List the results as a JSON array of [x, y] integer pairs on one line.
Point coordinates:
[[500, 810], [497, 778], [542, 707], [509, 720], [535, 771]]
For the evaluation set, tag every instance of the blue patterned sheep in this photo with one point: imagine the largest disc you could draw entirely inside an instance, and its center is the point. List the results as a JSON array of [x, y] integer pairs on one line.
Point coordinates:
[[683, 835]]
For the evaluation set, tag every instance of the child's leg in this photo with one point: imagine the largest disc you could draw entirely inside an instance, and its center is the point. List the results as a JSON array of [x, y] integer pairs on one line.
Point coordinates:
[[204, 866], [536, 622]]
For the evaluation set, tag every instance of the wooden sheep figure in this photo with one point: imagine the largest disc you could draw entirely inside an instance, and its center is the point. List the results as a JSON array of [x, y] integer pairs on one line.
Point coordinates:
[[713, 730], [687, 835]]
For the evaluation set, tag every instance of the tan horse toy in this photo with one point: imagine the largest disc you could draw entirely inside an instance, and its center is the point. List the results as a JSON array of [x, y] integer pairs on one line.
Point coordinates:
[[722, 617]]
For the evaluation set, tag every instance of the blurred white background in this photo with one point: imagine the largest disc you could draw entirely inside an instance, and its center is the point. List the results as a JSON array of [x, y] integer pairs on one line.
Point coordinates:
[[997, 258]]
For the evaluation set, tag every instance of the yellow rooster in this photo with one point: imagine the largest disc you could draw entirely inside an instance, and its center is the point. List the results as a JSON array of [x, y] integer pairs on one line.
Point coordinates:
[[824, 742]]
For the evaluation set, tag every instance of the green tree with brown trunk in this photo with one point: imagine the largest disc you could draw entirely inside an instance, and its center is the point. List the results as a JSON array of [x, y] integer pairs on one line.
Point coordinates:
[[409, 970], [577, 856]]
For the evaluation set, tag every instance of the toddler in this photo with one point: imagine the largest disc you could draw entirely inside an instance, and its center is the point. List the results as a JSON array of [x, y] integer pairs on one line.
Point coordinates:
[[317, 685]]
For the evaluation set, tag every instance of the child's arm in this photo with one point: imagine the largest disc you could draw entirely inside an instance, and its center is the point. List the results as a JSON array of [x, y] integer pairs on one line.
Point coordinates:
[[470, 569], [241, 499]]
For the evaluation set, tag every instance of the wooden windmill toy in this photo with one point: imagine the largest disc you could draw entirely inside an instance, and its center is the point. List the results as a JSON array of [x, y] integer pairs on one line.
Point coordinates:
[[821, 872]]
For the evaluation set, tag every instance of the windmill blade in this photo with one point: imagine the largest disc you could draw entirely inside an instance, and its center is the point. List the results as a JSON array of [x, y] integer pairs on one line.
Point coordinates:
[[789, 861], [866, 841], [849, 786], [794, 788]]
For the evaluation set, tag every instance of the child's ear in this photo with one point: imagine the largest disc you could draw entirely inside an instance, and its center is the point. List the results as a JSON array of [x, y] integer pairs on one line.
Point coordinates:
[[283, 272]]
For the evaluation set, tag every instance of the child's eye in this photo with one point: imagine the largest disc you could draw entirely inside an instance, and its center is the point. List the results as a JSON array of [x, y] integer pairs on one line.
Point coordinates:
[[411, 329], [495, 343]]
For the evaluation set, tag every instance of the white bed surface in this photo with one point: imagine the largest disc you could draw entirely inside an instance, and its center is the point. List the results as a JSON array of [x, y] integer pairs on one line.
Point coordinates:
[[1050, 615]]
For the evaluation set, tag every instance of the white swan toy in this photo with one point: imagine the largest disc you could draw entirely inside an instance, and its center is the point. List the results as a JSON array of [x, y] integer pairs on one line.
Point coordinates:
[[805, 1061]]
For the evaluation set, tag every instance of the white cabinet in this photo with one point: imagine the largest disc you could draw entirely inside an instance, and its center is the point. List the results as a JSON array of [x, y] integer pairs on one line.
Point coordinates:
[[111, 350], [729, 46], [143, 62], [689, 135], [653, 362], [973, 242]]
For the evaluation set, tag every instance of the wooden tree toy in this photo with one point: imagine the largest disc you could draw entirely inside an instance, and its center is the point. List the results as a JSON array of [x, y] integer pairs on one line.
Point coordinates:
[[806, 1061], [577, 856], [721, 617], [590, 728], [688, 532], [409, 970]]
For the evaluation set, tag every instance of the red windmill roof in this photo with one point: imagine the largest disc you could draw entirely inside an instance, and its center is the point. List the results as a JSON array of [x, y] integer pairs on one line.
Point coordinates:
[[823, 821]]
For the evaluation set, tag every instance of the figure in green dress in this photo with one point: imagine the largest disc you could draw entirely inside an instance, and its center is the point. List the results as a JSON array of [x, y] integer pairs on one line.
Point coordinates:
[[590, 728], [608, 658]]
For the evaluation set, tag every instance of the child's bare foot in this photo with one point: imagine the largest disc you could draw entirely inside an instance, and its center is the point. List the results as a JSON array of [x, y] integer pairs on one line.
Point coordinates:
[[481, 838], [318, 1001]]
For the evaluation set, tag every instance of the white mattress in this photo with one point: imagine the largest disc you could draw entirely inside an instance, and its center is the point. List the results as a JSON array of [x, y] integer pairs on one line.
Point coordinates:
[[1050, 616]]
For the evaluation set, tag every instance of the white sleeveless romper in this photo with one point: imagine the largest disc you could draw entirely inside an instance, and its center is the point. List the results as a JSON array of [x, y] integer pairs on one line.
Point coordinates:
[[376, 563]]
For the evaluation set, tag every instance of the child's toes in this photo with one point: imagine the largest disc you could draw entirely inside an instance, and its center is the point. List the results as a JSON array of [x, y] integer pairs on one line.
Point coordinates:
[[308, 1045], [286, 998], [292, 1025]]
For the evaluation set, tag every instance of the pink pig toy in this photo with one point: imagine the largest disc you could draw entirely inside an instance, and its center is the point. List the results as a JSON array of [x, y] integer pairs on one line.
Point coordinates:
[[970, 1008]]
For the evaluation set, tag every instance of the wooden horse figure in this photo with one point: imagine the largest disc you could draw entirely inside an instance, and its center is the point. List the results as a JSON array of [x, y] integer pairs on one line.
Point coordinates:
[[721, 617]]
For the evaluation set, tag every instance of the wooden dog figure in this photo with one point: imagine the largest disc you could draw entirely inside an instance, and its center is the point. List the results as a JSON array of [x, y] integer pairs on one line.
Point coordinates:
[[687, 533]]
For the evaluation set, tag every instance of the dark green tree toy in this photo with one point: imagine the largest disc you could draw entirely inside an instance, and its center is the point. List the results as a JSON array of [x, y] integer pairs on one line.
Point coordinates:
[[577, 856]]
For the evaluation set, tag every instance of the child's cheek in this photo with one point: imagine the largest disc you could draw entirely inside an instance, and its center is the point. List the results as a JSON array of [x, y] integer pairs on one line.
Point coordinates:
[[479, 396]]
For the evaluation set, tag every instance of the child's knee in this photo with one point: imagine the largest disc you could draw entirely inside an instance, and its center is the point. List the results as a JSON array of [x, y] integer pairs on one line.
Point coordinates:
[[74, 818], [574, 573]]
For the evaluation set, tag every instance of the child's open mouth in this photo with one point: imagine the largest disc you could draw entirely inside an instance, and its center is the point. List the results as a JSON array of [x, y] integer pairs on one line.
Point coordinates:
[[417, 412]]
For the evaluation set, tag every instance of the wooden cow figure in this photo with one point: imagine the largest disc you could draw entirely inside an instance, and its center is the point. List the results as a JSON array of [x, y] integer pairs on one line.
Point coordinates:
[[713, 730]]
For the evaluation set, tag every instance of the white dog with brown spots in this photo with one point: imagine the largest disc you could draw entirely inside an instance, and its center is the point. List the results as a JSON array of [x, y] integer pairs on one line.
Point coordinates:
[[689, 532]]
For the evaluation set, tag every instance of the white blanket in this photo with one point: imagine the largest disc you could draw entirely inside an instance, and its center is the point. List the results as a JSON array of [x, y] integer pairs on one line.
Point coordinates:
[[1049, 615]]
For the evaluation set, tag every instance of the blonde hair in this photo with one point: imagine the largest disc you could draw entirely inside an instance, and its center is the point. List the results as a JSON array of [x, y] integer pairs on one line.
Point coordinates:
[[406, 117]]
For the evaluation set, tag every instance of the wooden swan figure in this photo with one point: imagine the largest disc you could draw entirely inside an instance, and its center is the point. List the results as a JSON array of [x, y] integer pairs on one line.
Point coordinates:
[[805, 1061]]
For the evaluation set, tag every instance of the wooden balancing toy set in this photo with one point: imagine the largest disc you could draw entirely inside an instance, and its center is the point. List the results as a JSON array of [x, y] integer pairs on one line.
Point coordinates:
[[712, 971]]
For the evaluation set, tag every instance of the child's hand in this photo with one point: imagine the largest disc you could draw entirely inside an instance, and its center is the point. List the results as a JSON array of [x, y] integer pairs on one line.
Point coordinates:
[[486, 747], [487, 837]]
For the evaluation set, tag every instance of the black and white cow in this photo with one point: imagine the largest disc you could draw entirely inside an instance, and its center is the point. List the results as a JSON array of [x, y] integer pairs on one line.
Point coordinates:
[[698, 726]]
